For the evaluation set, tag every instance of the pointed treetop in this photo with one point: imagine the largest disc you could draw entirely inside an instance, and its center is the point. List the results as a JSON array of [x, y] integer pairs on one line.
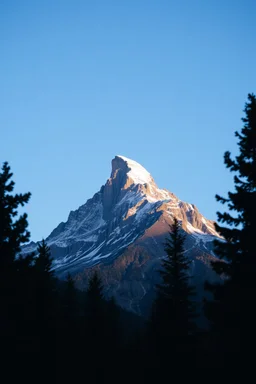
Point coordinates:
[[44, 259], [95, 287], [12, 233]]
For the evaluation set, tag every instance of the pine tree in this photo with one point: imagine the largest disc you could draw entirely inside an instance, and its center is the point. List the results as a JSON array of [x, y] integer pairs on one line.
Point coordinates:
[[95, 332], [68, 351], [46, 306], [239, 234], [95, 288], [44, 260], [70, 297], [69, 304], [232, 312], [12, 233], [45, 282], [112, 320], [174, 310], [15, 273], [95, 303], [113, 341]]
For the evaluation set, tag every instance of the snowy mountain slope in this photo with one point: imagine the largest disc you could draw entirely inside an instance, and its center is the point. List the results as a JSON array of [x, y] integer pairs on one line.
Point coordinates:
[[128, 213]]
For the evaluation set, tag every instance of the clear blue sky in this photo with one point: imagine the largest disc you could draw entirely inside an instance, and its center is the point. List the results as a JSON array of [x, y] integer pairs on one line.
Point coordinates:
[[162, 82]]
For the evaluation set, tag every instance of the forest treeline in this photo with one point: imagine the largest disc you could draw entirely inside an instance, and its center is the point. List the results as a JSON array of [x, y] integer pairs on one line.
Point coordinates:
[[51, 332]]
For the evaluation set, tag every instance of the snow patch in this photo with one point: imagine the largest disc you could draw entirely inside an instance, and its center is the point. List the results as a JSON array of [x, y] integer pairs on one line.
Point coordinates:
[[137, 173], [199, 235]]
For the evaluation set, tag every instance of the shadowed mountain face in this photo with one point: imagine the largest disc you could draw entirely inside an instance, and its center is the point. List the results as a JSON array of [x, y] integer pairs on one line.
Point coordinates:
[[121, 232]]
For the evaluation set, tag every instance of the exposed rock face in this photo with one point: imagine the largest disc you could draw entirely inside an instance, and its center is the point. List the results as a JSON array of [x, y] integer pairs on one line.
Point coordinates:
[[121, 231]]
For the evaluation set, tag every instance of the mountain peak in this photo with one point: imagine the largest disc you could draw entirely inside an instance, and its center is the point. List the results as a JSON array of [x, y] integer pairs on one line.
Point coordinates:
[[122, 228], [133, 170]]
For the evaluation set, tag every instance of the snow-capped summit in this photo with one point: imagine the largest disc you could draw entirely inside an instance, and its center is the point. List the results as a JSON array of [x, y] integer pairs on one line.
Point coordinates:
[[123, 227], [135, 171]]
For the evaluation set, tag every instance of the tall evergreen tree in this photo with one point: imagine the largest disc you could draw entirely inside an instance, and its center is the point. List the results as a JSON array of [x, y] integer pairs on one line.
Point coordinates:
[[174, 310], [95, 287], [69, 353], [46, 306], [95, 304], [69, 309], [112, 339], [44, 260], [112, 324], [12, 233], [232, 312], [239, 234], [95, 332], [45, 282], [70, 299], [15, 271]]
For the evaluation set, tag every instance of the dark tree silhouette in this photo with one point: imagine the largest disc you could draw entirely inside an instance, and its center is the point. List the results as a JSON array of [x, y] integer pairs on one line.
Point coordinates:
[[95, 288], [95, 332], [46, 306], [112, 324], [172, 327], [45, 283], [69, 333], [15, 272], [12, 233], [95, 307], [44, 260], [232, 312], [70, 300], [174, 311]]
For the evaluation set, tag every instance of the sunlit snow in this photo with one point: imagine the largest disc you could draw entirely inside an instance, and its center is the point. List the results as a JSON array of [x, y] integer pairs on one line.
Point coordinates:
[[137, 173]]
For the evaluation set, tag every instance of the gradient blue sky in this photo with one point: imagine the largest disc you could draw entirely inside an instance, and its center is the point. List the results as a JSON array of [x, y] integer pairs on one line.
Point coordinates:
[[162, 82]]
